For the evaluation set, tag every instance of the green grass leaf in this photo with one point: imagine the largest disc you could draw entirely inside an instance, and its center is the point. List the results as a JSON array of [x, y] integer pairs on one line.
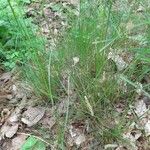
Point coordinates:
[[33, 143]]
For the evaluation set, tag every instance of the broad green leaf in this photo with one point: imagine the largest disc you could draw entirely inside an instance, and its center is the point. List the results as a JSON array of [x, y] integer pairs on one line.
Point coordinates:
[[33, 143]]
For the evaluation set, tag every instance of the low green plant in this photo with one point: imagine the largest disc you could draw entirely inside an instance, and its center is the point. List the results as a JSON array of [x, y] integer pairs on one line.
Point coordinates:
[[17, 34], [21, 45], [32, 143]]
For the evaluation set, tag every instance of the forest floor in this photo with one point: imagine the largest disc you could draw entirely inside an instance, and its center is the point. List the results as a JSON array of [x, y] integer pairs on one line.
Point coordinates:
[[23, 116]]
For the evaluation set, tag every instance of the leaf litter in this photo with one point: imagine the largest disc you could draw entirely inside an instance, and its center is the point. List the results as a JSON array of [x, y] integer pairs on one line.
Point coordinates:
[[12, 114], [34, 115], [18, 141]]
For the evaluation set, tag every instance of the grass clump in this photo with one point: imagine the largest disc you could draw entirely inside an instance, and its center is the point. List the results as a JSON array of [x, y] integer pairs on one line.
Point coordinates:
[[42, 75], [96, 79], [85, 53], [21, 45], [97, 31]]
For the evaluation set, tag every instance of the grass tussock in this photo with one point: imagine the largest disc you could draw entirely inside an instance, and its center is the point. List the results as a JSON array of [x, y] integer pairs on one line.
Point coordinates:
[[97, 81], [95, 78]]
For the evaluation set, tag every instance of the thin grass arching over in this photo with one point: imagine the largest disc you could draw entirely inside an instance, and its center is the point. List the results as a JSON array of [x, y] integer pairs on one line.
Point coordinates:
[[37, 64], [96, 79], [92, 77]]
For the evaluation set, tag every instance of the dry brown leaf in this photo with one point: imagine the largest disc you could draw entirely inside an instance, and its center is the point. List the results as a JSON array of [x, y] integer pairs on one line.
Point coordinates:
[[5, 114], [121, 64], [12, 131], [131, 141], [76, 136], [10, 121], [9, 130], [140, 108], [4, 129], [137, 134], [80, 139], [48, 122], [21, 90], [121, 148], [13, 118], [6, 77], [70, 141], [62, 107], [147, 128], [146, 100], [33, 115], [17, 142], [110, 146], [74, 2]]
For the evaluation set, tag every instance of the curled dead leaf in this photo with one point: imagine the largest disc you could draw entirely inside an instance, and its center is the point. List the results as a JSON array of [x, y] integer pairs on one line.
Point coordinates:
[[32, 115], [80, 139], [147, 128], [6, 77], [110, 146], [140, 108], [9, 130], [121, 64], [48, 122], [74, 2], [12, 131], [17, 142], [76, 136]]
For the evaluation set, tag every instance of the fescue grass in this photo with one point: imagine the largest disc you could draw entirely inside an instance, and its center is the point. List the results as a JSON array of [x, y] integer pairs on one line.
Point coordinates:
[[97, 29], [37, 64], [83, 54]]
